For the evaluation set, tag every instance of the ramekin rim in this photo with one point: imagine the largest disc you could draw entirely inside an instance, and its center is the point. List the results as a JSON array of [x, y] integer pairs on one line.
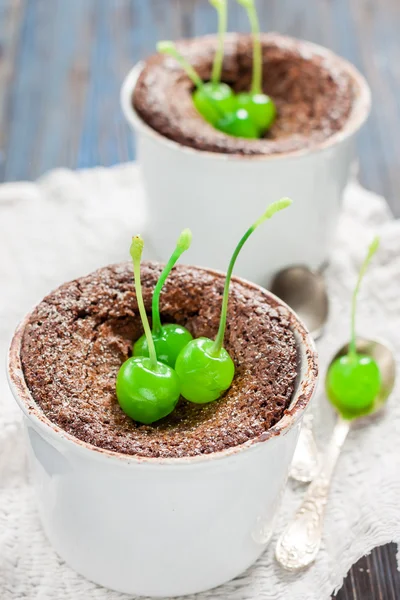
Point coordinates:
[[300, 400], [359, 113]]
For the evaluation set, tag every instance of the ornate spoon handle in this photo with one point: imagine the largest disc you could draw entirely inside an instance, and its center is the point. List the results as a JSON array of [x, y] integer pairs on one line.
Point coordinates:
[[305, 461], [299, 544]]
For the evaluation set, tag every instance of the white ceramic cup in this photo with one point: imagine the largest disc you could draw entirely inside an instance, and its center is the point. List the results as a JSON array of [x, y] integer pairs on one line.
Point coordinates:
[[161, 527], [217, 195]]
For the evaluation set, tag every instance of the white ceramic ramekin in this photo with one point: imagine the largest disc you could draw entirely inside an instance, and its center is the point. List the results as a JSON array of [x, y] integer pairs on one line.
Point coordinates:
[[216, 194], [161, 527]]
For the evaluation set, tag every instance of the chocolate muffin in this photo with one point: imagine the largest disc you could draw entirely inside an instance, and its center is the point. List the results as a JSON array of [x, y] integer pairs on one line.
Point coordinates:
[[78, 336], [313, 92]]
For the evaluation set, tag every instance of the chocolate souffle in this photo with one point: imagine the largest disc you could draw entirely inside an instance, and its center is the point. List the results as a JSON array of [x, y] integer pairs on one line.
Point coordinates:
[[313, 93], [79, 335]]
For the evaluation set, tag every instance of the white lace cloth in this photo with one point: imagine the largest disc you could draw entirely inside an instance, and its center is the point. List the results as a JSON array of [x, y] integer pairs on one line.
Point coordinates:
[[69, 223]]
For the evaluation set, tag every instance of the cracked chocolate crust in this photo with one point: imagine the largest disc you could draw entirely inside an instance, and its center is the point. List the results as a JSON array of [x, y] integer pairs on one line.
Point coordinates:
[[313, 93], [79, 335]]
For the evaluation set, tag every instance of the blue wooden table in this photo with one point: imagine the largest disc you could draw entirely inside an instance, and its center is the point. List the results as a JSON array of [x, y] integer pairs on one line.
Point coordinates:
[[62, 63], [61, 66]]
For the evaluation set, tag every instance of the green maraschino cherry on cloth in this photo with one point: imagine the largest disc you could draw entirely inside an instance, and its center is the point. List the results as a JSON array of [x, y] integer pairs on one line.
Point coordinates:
[[259, 106], [147, 390], [204, 367], [354, 380], [168, 339]]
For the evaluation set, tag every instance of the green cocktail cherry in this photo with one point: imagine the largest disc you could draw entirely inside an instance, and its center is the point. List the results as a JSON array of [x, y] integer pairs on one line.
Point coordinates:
[[204, 367], [354, 380], [260, 107], [213, 107], [168, 339], [206, 105], [238, 124], [147, 390]]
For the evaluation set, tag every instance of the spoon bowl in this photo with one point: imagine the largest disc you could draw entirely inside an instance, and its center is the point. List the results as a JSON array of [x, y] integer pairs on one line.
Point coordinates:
[[304, 290]]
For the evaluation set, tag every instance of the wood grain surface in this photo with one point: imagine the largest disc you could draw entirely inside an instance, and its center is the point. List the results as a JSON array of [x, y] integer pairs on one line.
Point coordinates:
[[61, 66]]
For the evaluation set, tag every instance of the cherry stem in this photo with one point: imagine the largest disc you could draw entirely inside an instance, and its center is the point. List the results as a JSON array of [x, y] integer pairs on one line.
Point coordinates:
[[167, 47], [271, 210], [221, 7], [170, 49], [136, 254], [256, 86], [183, 244], [371, 251]]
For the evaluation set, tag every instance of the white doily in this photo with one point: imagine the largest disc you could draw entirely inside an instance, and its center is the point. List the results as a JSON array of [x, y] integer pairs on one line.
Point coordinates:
[[69, 223]]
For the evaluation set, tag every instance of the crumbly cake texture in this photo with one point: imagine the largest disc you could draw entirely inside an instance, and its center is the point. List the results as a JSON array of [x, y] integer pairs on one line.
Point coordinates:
[[80, 334], [313, 93]]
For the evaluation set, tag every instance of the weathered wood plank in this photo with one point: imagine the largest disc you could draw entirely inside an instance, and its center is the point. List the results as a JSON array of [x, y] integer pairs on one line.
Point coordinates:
[[10, 33], [43, 101], [378, 38]]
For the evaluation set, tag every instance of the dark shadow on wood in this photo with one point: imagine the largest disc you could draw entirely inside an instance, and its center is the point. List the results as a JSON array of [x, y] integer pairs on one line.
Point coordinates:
[[373, 577]]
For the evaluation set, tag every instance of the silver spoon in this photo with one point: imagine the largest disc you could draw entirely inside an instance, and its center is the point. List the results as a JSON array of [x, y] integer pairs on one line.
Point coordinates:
[[299, 544], [304, 291]]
